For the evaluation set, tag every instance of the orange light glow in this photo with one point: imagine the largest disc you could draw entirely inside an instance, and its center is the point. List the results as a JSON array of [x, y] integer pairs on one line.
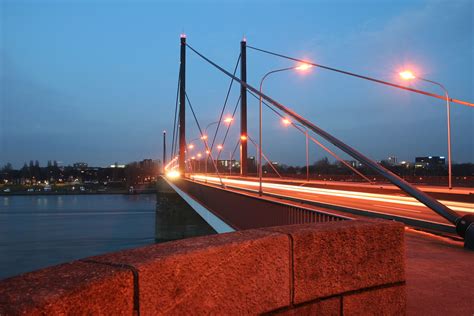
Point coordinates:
[[304, 67], [220, 147], [286, 121], [204, 137], [228, 120], [207, 152], [407, 75], [192, 158], [173, 174], [190, 146], [243, 137], [199, 155]]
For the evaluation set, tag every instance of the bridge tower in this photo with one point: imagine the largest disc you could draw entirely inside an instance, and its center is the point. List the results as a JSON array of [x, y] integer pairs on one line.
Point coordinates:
[[243, 108], [182, 106]]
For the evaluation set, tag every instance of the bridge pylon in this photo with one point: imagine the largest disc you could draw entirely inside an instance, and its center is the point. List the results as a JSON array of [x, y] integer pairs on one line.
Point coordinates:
[[243, 108], [182, 107]]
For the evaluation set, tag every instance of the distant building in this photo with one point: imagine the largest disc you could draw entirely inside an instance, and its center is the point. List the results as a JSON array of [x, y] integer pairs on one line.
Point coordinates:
[[80, 165], [146, 164], [116, 165], [430, 162], [225, 163], [352, 163], [405, 164], [392, 160]]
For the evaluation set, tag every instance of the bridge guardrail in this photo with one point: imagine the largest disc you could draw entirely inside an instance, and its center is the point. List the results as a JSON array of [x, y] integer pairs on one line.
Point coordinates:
[[244, 211]]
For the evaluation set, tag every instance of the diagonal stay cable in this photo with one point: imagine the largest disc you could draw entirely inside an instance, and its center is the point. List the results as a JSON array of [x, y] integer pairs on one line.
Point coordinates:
[[364, 77], [235, 149], [175, 115], [314, 140], [421, 196], [225, 103], [205, 143], [265, 157], [228, 127]]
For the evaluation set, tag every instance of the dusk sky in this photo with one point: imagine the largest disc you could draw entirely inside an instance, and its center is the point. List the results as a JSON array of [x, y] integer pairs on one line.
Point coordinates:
[[95, 81]]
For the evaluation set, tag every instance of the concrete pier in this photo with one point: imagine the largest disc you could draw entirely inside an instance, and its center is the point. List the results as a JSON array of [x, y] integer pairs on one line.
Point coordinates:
[[176, 219]]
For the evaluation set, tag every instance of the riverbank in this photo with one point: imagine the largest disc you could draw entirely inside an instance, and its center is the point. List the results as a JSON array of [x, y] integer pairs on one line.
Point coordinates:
[[112, 191]]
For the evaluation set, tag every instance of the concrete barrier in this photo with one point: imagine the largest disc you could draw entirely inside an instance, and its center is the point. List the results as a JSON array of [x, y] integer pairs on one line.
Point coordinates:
[[349, 267]]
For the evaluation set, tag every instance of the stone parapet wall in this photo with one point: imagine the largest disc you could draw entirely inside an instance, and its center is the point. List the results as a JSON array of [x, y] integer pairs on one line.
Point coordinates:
[[349, 267]]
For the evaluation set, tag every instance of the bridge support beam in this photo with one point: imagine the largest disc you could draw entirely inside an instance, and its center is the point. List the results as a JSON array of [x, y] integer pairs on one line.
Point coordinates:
[[182, 107], [243, 108]]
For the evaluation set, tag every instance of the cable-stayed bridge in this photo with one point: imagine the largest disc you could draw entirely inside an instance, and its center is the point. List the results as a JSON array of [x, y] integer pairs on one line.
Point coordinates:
[[252, 198]]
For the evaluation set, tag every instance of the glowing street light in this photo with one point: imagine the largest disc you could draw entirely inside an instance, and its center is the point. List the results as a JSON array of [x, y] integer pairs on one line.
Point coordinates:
[[220, 147], [228, 120], [243, 137], [301, 67], [286, 121], [408, 75], [190, 146]]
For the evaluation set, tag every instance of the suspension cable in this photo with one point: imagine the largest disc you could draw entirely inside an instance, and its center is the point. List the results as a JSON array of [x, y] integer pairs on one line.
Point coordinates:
[[228, 127], [314, 140], [175, 115], [235, 149], [424, 198], [225, 103], [205, 143], [263, 155], [364, 77]]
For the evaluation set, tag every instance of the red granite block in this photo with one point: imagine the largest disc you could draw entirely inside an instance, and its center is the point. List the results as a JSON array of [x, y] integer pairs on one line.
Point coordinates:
[[235, 273], [385, 301], [326, 307], [336, 257], [74, 288]]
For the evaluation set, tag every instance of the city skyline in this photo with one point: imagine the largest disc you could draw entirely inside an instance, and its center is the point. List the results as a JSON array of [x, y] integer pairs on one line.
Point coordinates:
[[77, 88]]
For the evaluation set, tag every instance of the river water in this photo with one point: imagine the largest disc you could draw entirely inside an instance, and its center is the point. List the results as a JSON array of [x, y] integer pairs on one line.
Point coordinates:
[[39, 231]]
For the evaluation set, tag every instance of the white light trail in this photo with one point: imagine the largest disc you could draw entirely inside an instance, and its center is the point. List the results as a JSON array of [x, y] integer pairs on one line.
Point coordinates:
[[403, 200]]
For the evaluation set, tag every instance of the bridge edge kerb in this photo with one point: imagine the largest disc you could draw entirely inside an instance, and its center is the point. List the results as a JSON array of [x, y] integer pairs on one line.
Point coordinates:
[[246, 265]]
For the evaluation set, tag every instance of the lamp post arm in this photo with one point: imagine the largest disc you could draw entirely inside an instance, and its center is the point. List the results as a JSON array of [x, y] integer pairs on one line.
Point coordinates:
[[273, 71]]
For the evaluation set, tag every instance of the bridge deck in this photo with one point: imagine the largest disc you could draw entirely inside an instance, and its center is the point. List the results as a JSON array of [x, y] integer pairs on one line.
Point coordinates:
[[376, 204]]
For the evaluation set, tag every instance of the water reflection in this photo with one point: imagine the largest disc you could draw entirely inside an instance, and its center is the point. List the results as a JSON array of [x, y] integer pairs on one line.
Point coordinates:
[[38, 231]]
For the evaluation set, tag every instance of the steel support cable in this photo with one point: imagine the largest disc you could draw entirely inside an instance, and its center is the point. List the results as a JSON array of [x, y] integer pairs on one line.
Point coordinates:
[[314, 140], [235, 149], [265, 157], [225, 103], [424, 198], [175, 115], [366, 78], [228, 127], [205, 143]]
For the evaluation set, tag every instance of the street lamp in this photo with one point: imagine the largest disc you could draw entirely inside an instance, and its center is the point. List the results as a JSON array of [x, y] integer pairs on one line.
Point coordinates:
[[408, 75], [287, 122], [301, 67], [204, 137]]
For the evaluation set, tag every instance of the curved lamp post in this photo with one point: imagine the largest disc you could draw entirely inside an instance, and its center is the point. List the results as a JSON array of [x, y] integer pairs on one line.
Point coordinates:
[[408, 75], [301, 67]]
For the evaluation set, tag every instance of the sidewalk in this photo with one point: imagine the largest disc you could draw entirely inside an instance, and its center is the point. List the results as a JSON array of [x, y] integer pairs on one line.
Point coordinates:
[[440, 276]]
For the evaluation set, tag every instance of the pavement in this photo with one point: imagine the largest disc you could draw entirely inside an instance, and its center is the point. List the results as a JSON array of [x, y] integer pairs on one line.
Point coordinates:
[[439, 270], [440, 275]]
